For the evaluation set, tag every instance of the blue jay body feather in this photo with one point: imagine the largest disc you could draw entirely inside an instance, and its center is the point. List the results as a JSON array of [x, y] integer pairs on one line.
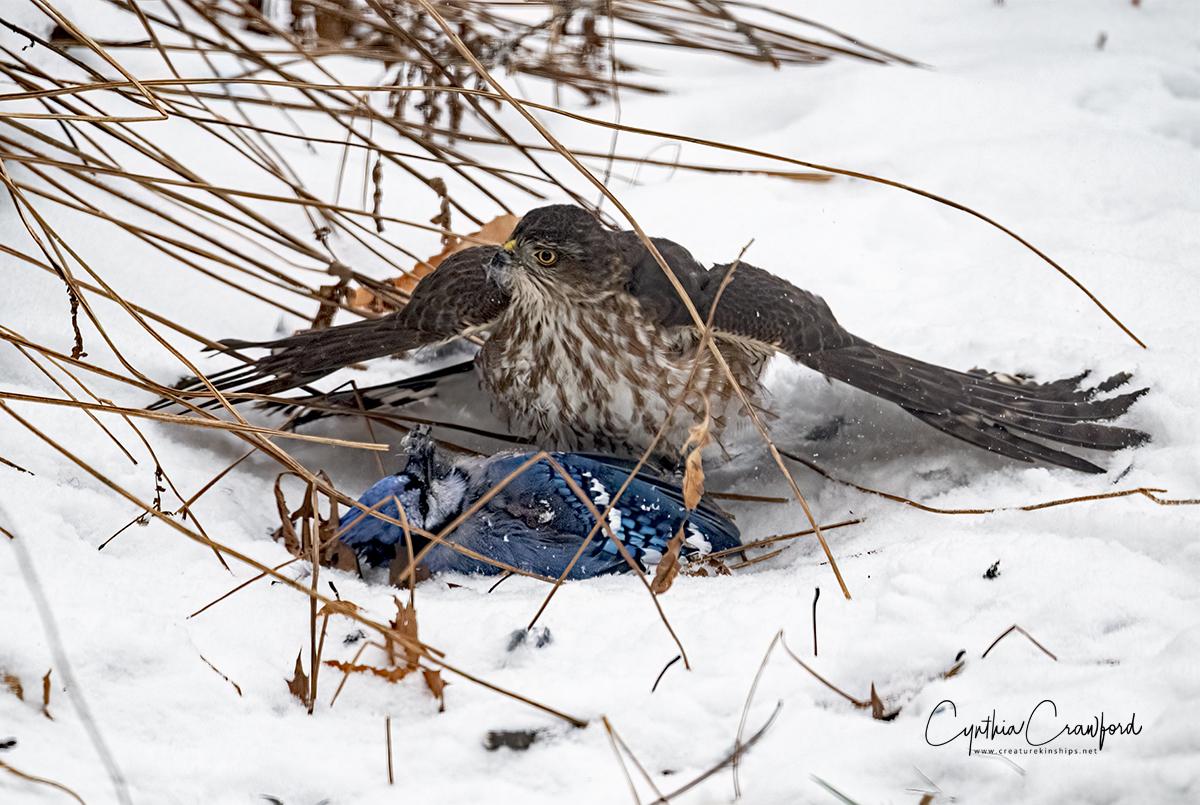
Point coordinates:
[[536, 523]]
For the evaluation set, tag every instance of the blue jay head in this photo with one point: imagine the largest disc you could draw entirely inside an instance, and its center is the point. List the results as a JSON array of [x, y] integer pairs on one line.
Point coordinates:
[[430, 490], [434, 487]]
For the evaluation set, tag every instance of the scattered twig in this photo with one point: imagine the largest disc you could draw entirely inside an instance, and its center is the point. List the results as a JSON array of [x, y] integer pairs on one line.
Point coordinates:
[[227, 679], [737, 744], [42, 781], [816, 596], [388, 727], [612, 740], [1150, 493], [739, 751], [1022, 631], [663, 672]]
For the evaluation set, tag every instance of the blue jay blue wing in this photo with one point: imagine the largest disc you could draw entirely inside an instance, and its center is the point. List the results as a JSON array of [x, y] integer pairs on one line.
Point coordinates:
[[374, 540], [456, 299], [540, 522], [536, 523]]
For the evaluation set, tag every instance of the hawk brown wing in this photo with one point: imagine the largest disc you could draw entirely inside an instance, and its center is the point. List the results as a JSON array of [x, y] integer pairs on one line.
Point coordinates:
[[994, 411], [455, 300]]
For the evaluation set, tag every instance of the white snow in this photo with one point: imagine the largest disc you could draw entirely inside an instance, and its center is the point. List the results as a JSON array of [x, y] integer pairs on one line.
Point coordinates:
[[1091, 154]]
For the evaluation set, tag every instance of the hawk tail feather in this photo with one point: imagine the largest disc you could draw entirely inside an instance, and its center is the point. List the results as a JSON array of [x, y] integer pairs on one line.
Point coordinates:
[[1008, 415]]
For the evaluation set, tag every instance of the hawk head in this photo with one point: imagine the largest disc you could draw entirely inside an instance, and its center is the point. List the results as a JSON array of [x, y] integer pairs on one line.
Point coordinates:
[[560, 247]]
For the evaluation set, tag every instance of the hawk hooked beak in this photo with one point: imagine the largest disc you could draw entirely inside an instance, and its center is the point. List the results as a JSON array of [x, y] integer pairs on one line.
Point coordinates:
[[497, 269]]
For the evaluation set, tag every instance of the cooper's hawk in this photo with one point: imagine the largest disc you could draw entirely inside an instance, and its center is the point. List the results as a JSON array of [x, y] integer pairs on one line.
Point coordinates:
[[589, 344]]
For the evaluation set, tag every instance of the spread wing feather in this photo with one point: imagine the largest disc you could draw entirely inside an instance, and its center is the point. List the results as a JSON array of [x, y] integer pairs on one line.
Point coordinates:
[[455, 300], [996, 412]]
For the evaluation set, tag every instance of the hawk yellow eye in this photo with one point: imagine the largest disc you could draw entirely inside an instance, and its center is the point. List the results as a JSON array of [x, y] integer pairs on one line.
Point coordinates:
[[545, 257]]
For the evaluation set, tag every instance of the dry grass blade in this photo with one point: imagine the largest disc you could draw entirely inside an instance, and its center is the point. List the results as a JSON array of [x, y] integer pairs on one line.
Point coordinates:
[[41, 781], [218, 673], [732, 758], [76, 155], [216, 424], [391, 776], [602, 520], [840, 172], [737, 787], [612, 740], [779, 538], [564, 46], [819, 678], [63, 664], [1148, 493], [1017, 628], [103, 54]]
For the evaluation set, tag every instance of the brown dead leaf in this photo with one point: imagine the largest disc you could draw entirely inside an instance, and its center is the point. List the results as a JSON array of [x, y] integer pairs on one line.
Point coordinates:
[[338, 608], [361, 299], [390, 674], [330, 296], [498, 230], [406, 624], [286, 532], [46, 696], [705, 568], [298, 684], [877, 711], [13, 683], [339, 556], [668, 568], [442, 218], [407, 281], [876, 704], [436, 685], [334, 552], [959, 662], [398, 571], [495, 231], [331, 26], [693, 477], [693, 480]]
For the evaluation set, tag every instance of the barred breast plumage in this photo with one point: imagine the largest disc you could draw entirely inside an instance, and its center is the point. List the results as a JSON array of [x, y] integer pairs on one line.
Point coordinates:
[[597, 374]]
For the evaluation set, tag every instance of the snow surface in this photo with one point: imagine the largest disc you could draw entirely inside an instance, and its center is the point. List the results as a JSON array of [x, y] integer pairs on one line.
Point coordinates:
[[1091, 154]]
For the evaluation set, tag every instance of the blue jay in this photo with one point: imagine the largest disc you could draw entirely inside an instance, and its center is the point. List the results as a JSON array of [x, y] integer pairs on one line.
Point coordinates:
[[536, 523]]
